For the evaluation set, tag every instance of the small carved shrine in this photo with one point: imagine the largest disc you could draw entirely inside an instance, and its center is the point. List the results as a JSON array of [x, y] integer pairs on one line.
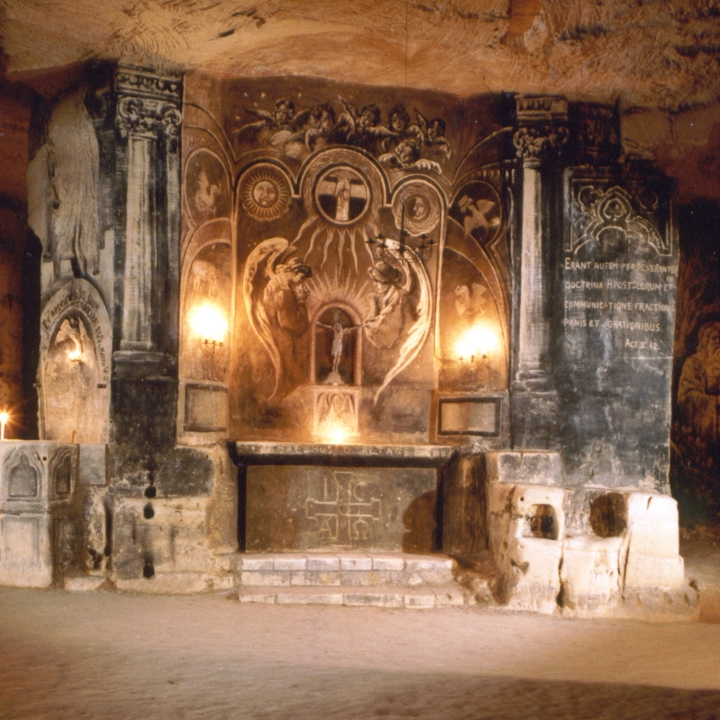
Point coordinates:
[[298, 316]]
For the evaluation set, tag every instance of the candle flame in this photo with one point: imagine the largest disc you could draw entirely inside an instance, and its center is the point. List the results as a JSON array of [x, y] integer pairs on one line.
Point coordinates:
[[478, 341], [337, 435]]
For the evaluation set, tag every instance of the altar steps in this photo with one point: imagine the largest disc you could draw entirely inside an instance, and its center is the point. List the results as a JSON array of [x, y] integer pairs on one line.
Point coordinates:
[[390, 580]]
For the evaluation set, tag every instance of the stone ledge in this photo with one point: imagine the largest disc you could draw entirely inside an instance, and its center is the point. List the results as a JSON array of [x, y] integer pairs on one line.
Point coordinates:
[[334, 561], [273, 453], [425, 599], [348, 569]]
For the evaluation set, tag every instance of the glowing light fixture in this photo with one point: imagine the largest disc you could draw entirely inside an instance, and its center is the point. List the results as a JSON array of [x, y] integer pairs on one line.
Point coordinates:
[[479, 340], [4, 417], [337, 435], [208, 323]]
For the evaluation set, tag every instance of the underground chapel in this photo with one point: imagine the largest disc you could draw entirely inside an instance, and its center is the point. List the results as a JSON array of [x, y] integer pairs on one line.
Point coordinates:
[[300, 337]]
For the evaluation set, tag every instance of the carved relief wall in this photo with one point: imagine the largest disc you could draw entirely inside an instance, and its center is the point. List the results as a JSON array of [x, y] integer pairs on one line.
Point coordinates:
[[75, 362], [355, 243], [695, 457]]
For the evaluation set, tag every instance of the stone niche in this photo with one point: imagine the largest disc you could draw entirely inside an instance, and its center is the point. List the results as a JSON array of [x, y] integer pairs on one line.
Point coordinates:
[[75, 357]]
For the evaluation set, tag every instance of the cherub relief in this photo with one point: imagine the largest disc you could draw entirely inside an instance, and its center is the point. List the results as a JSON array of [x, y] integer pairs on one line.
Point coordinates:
[[407, 157], [362, 127], [433, 132], [419, 146], [322, 127], [280, 123]]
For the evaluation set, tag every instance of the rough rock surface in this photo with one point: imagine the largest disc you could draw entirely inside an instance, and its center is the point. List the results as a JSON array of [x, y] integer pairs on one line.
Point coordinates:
[[653, 52]]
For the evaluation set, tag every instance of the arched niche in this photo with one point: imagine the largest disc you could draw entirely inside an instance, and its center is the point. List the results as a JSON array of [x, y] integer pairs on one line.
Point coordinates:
[[206, 287], [75, 358], [336, 346], [23, 476]]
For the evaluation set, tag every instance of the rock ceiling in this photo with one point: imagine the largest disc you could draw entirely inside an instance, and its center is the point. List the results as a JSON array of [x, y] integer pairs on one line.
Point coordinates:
[[651, 53]]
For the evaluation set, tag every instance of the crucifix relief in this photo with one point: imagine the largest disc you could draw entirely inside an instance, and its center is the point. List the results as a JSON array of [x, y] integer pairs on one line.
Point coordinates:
[[337, 348]]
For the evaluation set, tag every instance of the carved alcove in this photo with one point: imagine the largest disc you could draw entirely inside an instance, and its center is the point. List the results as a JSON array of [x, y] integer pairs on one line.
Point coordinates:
[[23, 475], [336, 370], [75, 350], [62, 473]]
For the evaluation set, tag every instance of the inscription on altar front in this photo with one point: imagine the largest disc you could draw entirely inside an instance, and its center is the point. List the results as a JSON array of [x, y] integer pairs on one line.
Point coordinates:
[[346, 511], [306, 507]]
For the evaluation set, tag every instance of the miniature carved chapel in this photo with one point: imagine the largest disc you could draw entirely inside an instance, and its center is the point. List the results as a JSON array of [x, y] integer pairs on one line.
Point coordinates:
[[297, 332]]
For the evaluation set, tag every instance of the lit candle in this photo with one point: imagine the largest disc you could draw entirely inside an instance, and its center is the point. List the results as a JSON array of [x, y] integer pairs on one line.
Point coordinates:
[[337, 435], [4, 417]]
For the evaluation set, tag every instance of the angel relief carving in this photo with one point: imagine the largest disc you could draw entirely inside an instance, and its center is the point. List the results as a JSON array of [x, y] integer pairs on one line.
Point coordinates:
[[275, 296], [401, 308]]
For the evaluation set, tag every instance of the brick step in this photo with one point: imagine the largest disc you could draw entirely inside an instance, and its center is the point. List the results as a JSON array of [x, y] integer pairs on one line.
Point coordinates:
[[425, 598], [400, 570]]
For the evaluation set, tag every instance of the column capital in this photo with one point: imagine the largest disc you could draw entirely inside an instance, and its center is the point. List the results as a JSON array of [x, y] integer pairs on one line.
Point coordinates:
[[148, 104], [542, 121], [534, 141]]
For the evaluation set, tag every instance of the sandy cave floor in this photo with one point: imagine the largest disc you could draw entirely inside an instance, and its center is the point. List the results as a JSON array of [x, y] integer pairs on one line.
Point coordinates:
[[109, 655]]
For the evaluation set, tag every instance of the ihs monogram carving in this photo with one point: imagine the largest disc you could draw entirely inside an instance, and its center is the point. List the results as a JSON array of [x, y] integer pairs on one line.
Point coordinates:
[[532, 142]]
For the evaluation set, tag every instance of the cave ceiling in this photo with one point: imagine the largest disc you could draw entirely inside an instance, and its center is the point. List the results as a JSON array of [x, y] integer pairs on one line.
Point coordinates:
[[648, 53]]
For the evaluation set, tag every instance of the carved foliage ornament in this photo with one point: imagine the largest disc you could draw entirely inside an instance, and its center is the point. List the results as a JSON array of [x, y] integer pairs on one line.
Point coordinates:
[[610, 214], [532, 142], [148, 117]]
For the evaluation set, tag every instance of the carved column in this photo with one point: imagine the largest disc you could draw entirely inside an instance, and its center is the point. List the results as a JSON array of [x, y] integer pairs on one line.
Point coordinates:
[[148, 118], [147, 210], [540, 133]]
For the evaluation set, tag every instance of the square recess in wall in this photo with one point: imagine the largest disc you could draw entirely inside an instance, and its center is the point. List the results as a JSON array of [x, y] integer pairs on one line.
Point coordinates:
[[469, 416], [206, 408]]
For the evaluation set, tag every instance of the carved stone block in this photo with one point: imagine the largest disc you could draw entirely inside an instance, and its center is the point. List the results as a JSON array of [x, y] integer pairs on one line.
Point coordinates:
[[206, 408], [469, 416], [306, 507], [25, 551]]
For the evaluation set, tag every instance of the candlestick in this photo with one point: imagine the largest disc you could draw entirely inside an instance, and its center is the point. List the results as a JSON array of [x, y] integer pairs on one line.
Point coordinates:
[[4, 417]]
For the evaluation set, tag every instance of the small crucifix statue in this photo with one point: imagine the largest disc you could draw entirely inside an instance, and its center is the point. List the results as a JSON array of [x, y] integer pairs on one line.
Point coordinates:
[[339, 331]]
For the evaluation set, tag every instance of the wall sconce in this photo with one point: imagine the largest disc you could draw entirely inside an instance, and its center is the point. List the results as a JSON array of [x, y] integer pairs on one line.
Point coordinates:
[[475, 344], [4, 417], [478, 341], [208, 323]]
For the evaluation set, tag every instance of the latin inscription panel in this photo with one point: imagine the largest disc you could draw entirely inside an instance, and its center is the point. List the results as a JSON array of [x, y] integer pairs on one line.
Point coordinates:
[[615, 325]]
